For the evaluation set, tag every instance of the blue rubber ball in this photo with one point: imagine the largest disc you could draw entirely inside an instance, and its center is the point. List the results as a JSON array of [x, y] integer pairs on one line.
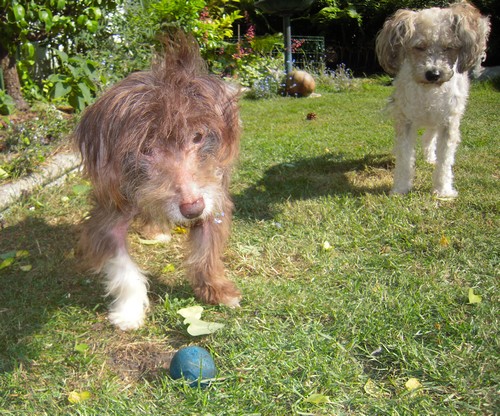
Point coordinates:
[[193, 364]]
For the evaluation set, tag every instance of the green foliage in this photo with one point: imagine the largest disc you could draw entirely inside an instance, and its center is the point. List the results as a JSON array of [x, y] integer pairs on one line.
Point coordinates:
[[50, 23], [262, 74], [7, 104], [339, 80], [332, 10], [130, 38], [31, 21], [124, 43], [26, 144], [76, 82], [209, 21], [254, 62]]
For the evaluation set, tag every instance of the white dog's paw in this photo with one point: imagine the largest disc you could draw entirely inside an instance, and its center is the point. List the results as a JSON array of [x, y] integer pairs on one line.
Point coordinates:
[[430, 158], [446, 193], [128, 314], [399, 191]]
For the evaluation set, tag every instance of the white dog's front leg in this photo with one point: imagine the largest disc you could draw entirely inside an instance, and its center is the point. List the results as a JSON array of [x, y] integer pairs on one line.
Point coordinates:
[[404, 151], [128, 286], [429, 145], [447, 143]]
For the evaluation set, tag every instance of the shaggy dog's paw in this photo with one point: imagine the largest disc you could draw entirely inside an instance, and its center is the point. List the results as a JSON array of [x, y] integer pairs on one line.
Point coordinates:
[[128, 314], [232, 301], [220, 292]]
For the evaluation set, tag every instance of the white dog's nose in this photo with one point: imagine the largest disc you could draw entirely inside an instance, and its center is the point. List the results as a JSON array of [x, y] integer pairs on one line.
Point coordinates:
[[192, 210], [432, 75]]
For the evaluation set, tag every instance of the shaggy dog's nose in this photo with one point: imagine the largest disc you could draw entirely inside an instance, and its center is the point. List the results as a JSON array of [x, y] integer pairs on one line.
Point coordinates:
[[432, 75], [192, 210]]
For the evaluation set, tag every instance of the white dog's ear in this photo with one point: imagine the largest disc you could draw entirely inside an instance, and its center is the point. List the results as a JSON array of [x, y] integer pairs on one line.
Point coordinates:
[[392, 39], [472, 29]]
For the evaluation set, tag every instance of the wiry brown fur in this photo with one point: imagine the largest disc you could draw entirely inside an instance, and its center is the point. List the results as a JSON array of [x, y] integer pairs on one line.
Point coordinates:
[[160, 145]]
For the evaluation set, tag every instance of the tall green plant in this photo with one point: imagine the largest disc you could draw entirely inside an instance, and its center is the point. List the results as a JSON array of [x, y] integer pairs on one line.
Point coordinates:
[[49, 22], [210, 21], [129, 39], [76, 82]]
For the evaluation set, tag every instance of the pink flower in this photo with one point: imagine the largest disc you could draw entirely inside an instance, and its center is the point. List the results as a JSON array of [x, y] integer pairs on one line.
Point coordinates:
[[204, 14]]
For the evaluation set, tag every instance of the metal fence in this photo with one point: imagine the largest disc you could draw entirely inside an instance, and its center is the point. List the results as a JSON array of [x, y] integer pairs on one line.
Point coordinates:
[[308, 51]]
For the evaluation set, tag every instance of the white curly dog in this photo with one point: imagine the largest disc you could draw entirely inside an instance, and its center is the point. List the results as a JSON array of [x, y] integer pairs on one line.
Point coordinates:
[[430, 51]]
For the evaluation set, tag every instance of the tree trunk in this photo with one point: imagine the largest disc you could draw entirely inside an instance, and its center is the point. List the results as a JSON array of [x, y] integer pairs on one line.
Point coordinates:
[[11, 79]]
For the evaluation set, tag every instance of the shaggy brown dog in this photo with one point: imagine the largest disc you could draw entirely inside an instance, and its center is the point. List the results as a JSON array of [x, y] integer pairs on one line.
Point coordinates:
[[159, 146]]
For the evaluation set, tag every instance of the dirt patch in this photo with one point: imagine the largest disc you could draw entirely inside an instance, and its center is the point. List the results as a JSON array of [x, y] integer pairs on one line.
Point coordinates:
[[141, 360]]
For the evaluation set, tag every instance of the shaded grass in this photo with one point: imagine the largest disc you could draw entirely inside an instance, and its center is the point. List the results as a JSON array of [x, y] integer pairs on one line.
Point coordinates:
[[386, 303]]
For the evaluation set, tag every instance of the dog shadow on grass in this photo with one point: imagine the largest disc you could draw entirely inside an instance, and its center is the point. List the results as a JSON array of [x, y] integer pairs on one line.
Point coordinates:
[[38, 279], [329, 174], [42, 281]]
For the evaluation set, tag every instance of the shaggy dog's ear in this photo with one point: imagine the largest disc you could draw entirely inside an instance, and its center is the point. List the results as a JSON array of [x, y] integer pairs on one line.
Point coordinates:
[[472, 29], [392, 39], [229, 109]]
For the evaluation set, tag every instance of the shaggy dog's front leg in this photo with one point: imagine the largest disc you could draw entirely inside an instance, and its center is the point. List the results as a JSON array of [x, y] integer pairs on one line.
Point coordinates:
[[404, 151], [127, 284], [103, 246], [207, 240], [446, 146]]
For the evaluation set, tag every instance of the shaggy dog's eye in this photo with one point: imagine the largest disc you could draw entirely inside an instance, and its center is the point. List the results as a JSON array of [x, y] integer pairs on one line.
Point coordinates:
[[198, 138], [419, 48]]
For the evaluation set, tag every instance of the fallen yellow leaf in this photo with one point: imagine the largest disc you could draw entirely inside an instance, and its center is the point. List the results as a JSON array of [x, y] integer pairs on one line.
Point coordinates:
[[443, 241], [473, 298], [413, 384], [317, 398], [327, 246], [168, 268], [77, 397]]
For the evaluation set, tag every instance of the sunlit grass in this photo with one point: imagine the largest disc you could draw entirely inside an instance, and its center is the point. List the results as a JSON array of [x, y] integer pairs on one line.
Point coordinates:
[[350, 322]]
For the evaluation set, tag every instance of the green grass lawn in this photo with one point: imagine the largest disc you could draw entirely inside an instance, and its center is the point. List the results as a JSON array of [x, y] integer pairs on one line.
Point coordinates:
[[323, 329]]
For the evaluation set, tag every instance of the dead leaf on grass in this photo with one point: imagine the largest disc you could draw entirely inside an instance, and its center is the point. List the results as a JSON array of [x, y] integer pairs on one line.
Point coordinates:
[[317, 398], [77, 397], [413, 384], [196, 326], [473, 298]]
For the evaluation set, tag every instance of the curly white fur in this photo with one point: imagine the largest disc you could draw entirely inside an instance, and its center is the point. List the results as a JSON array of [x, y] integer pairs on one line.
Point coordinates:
[[430, 52]]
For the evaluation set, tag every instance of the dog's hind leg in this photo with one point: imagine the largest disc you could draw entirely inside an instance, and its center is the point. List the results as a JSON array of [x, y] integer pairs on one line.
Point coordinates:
[[404, 150], [429, 145], [447, 142], [207, 240], [103, 245]]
